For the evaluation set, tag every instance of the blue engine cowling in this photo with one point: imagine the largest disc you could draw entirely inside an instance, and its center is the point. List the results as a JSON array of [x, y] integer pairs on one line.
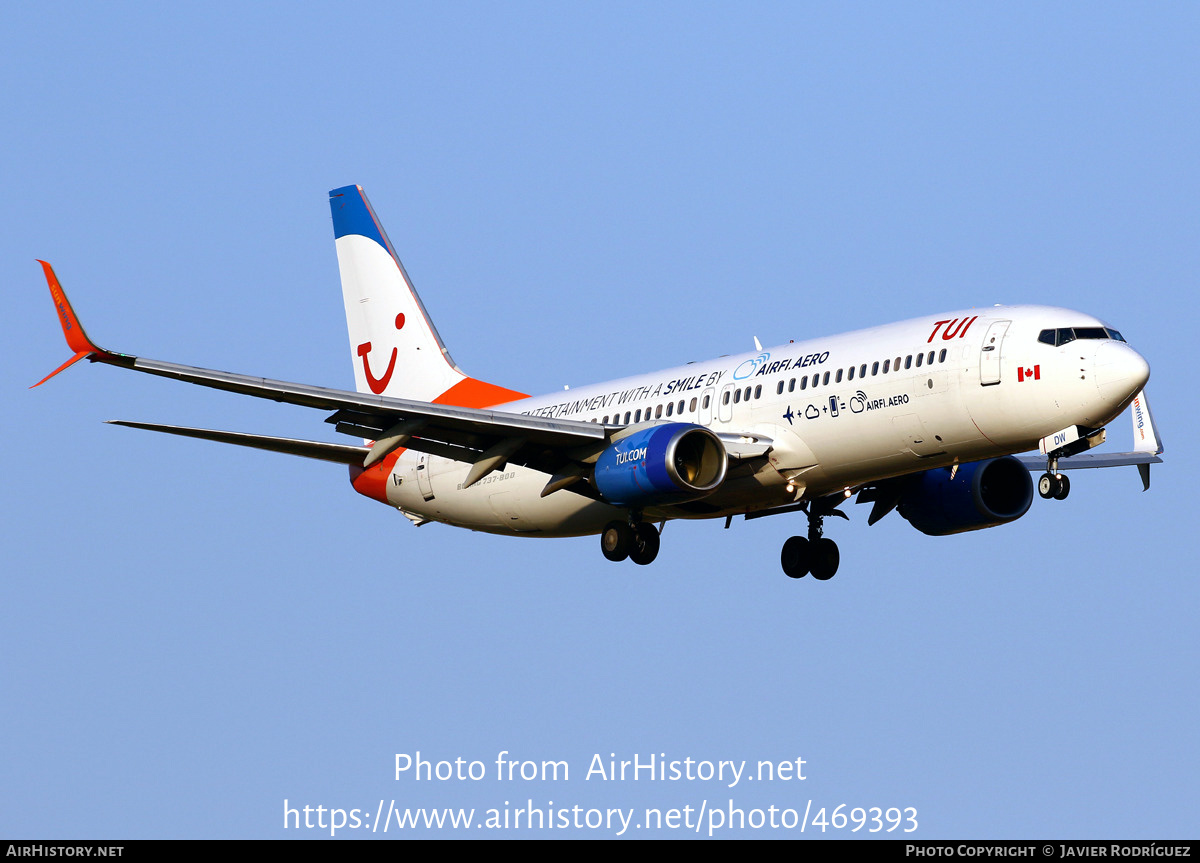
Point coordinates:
[[662, 464], [982, 494]]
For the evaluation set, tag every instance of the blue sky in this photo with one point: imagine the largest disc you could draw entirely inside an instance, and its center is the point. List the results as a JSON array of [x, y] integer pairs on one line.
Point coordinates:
[[191, 634]]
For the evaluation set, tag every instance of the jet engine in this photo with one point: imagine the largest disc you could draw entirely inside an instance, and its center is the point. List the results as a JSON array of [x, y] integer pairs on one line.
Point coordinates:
[[981, 494], [661, 464]]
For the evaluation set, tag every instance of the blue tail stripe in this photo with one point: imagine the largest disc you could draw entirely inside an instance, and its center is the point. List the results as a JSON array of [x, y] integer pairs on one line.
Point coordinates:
[[353, 215]]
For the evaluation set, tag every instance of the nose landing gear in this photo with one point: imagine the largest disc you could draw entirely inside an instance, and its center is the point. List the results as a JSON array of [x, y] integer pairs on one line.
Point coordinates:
[[815, 553], [1053, 484], [1064, 444]]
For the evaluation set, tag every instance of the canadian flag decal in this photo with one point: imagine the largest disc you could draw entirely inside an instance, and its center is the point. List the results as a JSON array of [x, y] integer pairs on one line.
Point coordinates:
[[1024, 374]]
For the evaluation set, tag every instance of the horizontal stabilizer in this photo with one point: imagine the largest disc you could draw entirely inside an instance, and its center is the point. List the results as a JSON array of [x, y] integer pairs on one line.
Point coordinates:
[[342, 453]]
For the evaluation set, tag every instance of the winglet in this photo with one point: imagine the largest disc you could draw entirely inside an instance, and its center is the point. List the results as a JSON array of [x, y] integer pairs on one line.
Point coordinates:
[[76, 336], [1145, 431], [1145, 434]]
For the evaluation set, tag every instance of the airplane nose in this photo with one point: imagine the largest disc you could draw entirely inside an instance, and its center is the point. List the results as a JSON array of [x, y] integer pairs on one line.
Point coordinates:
[[1120, 372]]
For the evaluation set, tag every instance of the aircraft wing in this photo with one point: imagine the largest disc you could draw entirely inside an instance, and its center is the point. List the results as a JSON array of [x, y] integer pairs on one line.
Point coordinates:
[[370, 412], [1143, 460], [487, 439], [1084, 460], [472, 435], [336, 452], [1147, 447]]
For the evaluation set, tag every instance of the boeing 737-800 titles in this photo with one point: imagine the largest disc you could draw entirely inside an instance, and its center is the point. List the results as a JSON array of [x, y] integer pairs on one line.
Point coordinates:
[[923, 416]]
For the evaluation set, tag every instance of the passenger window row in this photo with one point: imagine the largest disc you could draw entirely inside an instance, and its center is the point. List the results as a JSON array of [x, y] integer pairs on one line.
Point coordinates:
[[658, 412], [818, 379], [877, 368]]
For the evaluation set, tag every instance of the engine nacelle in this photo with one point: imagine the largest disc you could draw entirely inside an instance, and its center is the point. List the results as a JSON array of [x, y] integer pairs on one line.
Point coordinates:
[[982, 494], [662, 464]]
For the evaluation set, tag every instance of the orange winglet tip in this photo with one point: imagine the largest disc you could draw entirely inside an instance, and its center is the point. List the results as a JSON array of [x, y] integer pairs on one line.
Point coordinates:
[[77, 338], [65, 365], [73, 331]]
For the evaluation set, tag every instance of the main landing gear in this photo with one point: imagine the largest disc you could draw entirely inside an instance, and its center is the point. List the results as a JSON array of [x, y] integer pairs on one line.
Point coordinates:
[[1053, 484], [636, 540], [815, 553]]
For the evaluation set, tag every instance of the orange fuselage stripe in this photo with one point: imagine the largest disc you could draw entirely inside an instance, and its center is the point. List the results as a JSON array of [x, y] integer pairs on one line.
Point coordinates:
[[467, 393]]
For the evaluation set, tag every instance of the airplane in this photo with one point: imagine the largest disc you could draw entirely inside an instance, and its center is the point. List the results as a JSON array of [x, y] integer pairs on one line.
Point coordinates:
[[925, 417]]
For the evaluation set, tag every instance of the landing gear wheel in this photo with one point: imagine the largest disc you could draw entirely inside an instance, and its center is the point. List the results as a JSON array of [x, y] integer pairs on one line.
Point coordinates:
[[795, 557], [1064, 488], [616, 541], [1048, 485], [825, 558], [644, 548]]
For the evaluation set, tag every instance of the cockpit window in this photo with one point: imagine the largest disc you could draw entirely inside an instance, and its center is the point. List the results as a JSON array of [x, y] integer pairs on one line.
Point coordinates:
[[1064, 335]]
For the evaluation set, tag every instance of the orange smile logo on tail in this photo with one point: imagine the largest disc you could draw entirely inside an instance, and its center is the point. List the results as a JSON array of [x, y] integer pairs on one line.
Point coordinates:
[[378, 385]]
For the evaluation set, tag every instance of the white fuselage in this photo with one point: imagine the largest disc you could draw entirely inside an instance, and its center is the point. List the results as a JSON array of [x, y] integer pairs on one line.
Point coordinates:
[[841, 412]]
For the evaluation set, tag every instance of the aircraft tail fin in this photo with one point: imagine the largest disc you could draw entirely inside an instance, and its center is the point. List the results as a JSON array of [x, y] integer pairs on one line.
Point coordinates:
[[395, 348]]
